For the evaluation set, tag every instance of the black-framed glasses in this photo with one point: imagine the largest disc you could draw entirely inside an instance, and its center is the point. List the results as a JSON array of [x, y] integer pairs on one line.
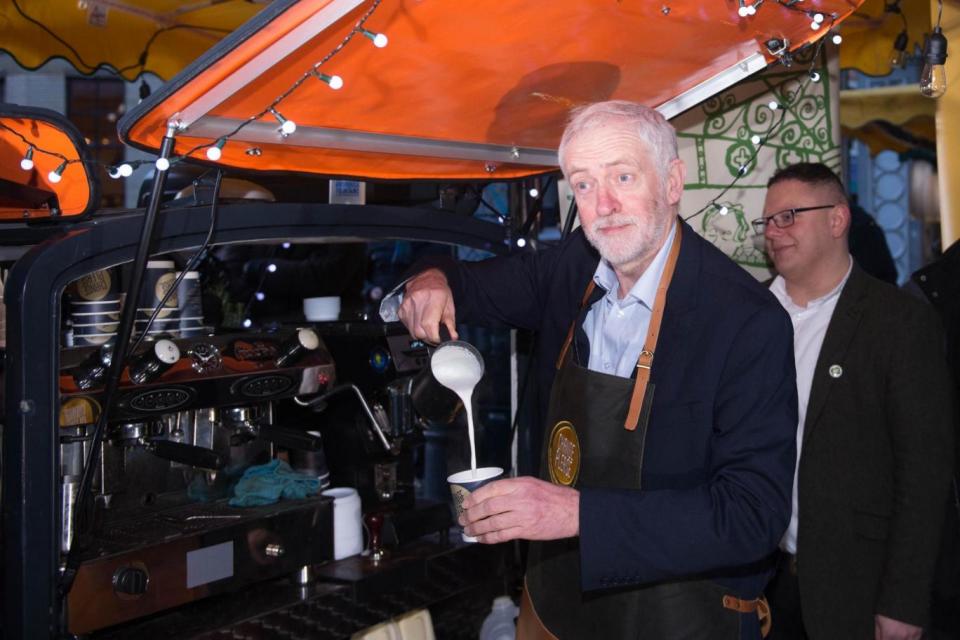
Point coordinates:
[[785, 218]]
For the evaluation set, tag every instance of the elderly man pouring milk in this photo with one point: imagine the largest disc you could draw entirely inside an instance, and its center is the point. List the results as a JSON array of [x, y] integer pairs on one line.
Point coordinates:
[[669, 451]]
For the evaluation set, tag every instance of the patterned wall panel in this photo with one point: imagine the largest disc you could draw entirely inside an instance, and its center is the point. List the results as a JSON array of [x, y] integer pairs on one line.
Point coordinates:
[[738, 128]]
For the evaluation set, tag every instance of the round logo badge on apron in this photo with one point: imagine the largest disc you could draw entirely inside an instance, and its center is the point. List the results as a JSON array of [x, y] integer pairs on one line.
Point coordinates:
[[563, 454]]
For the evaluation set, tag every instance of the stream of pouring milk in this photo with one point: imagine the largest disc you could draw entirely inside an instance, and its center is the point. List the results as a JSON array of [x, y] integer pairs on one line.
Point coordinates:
[[459, 370]]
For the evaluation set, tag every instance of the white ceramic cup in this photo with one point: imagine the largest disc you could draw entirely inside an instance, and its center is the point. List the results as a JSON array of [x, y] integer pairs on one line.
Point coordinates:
[[347, 528], [321, 309]]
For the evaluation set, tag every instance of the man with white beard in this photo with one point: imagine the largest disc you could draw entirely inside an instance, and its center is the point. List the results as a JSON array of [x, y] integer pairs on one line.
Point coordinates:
[[667, 379]]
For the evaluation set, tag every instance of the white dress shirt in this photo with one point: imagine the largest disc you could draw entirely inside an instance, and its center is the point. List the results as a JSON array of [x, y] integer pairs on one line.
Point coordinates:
[[809, 327], [616, 328]]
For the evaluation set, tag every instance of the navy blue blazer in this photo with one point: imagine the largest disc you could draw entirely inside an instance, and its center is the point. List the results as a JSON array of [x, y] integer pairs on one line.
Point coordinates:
[[718, 470]]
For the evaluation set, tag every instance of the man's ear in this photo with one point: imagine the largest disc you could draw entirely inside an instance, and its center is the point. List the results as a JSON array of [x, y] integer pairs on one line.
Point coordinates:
[[676, 176], [840, 219]]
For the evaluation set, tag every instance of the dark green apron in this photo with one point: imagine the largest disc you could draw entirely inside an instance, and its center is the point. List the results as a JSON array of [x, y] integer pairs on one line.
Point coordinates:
[[595, 406]]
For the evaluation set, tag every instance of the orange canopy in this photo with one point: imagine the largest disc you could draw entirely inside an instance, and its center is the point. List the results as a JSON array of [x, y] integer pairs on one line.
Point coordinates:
[[35, 143], [463, 90], [128, 37]]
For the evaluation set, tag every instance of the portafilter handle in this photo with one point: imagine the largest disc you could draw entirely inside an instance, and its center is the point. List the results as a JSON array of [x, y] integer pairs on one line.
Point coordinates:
[[291, 438], [187, 454]]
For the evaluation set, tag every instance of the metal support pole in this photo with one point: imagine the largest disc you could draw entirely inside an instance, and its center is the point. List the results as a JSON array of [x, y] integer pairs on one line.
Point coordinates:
[[84, 506]]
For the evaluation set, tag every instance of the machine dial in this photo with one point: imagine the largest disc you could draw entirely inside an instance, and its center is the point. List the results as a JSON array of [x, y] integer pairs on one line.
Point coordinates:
[[130, 581], [204, 357]]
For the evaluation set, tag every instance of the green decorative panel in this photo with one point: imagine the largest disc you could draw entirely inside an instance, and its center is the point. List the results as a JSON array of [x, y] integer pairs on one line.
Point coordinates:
[[717, 138]]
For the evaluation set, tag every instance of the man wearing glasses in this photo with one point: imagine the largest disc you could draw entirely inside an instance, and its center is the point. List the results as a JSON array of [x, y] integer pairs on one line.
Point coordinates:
[[874, 436]]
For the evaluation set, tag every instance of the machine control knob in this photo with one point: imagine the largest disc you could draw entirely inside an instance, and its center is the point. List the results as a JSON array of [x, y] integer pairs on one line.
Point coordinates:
[[158, 357], [274, 550], [130, 581], [91, 371], [295, 348]]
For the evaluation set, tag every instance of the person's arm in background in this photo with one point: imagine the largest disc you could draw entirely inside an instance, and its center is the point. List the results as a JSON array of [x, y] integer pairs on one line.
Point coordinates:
[[919, 406]]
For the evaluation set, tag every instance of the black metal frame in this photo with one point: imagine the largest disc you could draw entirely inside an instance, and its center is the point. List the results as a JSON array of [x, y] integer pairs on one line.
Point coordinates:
[[30, 453]]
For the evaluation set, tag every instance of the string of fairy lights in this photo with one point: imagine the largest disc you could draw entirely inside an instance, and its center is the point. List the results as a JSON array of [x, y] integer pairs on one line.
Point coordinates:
[[287, 127], [781, 108], [213, 150]]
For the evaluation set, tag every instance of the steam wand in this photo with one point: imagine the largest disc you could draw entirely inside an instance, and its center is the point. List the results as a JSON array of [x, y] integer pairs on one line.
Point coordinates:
[[314, 403]]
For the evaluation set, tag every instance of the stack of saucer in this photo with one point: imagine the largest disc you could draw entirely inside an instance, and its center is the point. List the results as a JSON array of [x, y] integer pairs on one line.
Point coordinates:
[[94, 309], [190, 305], [158, 278]]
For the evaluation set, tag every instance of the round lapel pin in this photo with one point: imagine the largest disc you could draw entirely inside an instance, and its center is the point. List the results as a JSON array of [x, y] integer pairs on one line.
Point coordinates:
[[835, 371]]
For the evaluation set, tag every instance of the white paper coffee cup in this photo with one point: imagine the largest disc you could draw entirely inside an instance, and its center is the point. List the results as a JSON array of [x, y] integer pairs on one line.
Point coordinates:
[[463, 483]]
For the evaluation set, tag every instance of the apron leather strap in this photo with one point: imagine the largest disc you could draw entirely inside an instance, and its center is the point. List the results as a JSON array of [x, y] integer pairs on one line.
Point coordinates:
[[566, 343], [759, 605], [529, 625], [645, 361]]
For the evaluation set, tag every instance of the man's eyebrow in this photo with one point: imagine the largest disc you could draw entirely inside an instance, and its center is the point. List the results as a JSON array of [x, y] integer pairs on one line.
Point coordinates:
[[612, 163]]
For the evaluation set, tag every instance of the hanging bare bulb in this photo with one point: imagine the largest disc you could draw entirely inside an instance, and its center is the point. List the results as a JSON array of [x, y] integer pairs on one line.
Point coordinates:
[[933, 76], [898, 55]]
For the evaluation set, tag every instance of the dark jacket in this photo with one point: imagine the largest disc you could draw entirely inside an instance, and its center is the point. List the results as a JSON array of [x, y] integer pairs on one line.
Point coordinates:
[[875, 463], [718, 467]]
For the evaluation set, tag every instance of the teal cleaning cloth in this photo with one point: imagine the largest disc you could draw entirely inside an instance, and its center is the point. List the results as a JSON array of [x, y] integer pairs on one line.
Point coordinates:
[[267, 483]]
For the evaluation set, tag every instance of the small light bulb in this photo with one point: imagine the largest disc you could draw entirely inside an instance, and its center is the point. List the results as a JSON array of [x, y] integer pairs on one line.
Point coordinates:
[[898, 55], [743, 11], [162, 164], [818, 17], [521, 242], [724, 211], [272, 268], [742, 169], [259, 295], [379, 39], [335, 82], [752, 10], [755, 139], [837, 38], [114, 172], [814, 76], [247, 323], [287, 127], [57, 174], [774, 105], [534, 192], [215, 152], [933, 80], [933, 76], [27, 163], [125, 170], [814, 25]]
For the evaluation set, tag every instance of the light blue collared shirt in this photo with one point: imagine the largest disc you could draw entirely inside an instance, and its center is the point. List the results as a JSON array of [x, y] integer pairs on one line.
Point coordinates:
[[616, 328]]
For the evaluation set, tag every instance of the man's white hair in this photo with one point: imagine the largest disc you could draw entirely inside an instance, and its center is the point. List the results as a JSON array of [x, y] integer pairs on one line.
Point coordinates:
[[649, 124]]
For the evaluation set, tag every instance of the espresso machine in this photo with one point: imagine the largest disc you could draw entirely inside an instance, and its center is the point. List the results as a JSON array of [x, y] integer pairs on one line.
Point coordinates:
[[191, 415], [335, 400]]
